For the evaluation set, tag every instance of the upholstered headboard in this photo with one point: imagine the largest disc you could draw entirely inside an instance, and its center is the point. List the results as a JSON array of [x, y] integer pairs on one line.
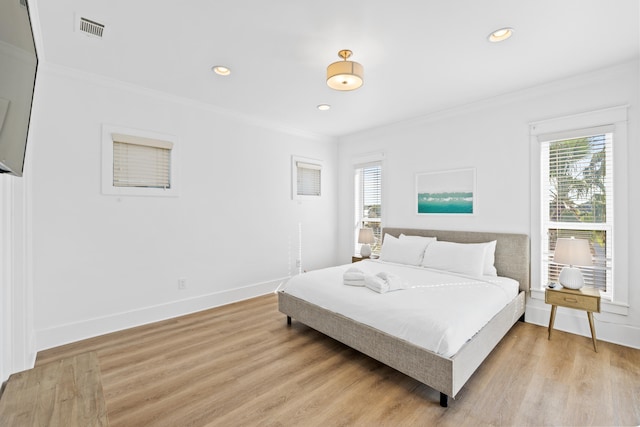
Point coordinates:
[[512, 250]]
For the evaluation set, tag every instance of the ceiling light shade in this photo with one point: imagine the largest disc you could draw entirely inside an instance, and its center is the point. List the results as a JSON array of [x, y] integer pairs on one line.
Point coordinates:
[[221, 70], [345, 75], [500, 35]]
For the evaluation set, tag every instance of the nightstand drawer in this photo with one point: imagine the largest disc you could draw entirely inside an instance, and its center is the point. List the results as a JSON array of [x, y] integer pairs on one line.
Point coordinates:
[[563, 299]]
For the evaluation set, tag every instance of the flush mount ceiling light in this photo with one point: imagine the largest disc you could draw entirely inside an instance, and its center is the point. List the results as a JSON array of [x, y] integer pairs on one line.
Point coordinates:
[[345, 75], [500, 35], [221, 70], [324, 107]]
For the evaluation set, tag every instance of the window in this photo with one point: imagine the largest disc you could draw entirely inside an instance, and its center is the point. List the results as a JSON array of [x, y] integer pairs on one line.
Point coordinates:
[[306, 178], [141, 162], [368, 202], [577, 200], [138, 163], [579, 189]]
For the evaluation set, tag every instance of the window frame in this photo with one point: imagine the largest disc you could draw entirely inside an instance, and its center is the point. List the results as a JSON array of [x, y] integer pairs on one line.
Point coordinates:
[[375, 159], [546, 141], [108, 140], [615, 301], [313, 164]]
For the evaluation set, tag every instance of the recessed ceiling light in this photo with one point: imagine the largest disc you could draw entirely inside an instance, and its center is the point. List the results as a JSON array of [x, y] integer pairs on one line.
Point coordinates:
[[500, 35], [221, 70], [324, 107]]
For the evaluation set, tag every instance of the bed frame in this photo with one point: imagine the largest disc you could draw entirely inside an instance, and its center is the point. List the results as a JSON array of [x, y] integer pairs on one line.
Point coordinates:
[[445, 374]]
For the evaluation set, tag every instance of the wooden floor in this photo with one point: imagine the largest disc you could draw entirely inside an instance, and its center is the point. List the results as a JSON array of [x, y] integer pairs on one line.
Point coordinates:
[[240, 365], [63, 393]]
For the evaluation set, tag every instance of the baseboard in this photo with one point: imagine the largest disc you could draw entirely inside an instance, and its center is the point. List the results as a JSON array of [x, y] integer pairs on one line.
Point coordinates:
[[576, 322], [71, 332]]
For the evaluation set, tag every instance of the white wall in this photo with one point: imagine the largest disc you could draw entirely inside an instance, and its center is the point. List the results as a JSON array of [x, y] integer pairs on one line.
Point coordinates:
[[493, 137], [17, 338], [104, 263]]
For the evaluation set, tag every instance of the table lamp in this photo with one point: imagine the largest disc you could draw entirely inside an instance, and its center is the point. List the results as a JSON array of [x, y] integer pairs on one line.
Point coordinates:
[[365, 236], [572, 252]]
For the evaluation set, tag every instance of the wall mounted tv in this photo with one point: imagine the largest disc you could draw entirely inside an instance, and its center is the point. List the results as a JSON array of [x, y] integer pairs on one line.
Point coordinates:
[[18, 65]]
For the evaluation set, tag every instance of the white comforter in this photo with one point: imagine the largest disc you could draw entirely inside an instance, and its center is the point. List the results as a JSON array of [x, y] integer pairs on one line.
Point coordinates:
[[439, 311]]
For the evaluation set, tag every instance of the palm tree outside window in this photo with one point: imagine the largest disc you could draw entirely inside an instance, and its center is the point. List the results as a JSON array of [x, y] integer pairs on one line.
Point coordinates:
[[577, 193]]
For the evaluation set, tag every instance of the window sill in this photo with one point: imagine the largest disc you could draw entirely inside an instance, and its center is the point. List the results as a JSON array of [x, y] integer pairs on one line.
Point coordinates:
[[606, 306]]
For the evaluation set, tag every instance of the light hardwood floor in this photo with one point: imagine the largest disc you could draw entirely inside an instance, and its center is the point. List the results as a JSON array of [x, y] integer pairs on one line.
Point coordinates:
[[240, 365]]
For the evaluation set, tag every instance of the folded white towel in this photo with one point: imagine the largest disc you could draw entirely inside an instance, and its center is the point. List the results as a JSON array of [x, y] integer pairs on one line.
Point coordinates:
[[384, 282], [376, 283], [353, 277], [394, 282]]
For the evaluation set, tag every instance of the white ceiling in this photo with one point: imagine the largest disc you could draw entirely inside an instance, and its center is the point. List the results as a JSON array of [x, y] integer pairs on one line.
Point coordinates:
[[419, 56]]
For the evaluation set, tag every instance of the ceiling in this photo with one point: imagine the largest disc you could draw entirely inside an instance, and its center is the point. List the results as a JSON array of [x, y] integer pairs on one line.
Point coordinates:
[[419, 56]]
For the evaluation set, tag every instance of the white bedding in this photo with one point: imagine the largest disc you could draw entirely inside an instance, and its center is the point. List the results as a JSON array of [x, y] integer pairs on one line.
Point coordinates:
[[439, 311]]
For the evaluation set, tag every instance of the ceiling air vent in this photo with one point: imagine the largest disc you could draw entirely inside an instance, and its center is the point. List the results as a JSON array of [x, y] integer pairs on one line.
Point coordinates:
[[90, 28]]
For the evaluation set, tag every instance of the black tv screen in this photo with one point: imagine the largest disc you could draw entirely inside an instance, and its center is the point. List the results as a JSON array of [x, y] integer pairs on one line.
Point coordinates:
[[18, 65]]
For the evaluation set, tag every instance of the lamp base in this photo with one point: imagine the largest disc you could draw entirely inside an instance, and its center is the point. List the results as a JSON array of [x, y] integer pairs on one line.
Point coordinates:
[[365, 250], [571, 277]]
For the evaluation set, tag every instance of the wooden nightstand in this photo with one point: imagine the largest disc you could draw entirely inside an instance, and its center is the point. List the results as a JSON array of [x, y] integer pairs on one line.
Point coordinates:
[[356, 258], [587, 299]]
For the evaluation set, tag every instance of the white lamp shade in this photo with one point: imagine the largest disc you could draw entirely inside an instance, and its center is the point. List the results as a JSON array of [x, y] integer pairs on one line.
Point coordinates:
[[365, 235], [572, 252]]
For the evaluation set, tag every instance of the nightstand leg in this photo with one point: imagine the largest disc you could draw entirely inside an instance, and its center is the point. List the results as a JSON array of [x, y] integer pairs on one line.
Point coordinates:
[[593, 331], [552, 319]]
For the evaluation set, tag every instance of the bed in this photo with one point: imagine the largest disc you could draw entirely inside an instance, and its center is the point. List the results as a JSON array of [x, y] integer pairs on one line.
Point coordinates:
[[446, 373]]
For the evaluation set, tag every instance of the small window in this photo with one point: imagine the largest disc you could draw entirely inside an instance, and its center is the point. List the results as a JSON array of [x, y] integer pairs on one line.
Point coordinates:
[[141, 162], [368, 202], [306, 178], [138, 164]]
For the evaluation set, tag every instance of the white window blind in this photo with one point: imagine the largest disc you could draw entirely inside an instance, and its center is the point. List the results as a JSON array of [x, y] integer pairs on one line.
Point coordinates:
[[577, 199], [141, 162], [308, 179], [368, 202]]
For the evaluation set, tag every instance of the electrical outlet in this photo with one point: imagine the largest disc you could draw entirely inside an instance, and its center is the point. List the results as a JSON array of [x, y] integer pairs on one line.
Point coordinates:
[[182, 284]]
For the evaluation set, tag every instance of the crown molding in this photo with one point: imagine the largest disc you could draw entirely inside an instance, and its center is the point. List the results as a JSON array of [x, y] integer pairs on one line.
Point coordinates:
[[111, 83], [571, 82]]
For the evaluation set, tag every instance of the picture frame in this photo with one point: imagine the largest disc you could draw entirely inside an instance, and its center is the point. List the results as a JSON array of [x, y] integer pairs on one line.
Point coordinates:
[[448, 192]]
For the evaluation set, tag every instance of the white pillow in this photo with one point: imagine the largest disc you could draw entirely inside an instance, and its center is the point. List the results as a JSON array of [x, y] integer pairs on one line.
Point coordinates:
[[489, 258], [402, 251], [420, 238], [460, 258]]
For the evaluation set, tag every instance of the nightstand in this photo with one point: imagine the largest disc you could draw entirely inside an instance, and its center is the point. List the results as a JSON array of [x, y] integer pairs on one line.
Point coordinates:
[[587, 299], [356, 258]]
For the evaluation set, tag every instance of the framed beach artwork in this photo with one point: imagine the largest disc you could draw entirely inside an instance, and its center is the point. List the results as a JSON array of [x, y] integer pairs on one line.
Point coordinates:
[[446, 192]]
